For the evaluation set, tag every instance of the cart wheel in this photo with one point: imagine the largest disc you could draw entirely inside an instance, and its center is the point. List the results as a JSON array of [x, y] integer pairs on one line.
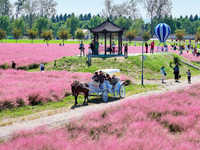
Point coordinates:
[[122, 91], [105, 96]]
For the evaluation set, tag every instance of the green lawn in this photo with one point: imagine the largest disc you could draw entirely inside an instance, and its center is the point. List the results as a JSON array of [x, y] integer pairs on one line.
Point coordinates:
[[40, 41], [130, 66]]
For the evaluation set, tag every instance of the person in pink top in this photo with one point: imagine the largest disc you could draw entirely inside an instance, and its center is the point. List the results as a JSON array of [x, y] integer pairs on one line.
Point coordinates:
[[152, 47]]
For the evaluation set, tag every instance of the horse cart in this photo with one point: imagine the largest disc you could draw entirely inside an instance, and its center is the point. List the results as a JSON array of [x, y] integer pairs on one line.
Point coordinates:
[[95, 89]]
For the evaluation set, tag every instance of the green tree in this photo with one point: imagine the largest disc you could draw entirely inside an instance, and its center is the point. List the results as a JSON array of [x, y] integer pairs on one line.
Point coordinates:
[[72, 24], [121, 21], [180, 35], [130, 35], [63, 34], [196, 17], [146, 36], [20, 24], [47, 35], [197, 37], [79, 34], [5, 23], [32, 34], [2, 34], [41, 24], [17, 33], [5, 8], [191, 18]]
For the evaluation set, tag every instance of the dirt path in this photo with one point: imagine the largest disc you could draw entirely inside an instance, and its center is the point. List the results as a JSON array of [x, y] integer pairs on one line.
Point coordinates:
[[63, 116]]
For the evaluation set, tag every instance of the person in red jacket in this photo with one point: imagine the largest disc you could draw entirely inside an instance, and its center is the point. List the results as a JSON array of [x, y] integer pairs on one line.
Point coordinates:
[[152, 47]]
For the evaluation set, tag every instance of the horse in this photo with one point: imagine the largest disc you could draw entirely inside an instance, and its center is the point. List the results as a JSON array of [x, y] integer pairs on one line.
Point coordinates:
[[77, 88]]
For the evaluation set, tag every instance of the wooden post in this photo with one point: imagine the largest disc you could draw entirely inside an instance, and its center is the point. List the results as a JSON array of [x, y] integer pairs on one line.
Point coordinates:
[[105, 42], [110, 40]]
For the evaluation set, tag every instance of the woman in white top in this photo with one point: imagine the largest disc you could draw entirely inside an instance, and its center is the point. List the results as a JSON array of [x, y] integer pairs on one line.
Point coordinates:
[[113, 47]]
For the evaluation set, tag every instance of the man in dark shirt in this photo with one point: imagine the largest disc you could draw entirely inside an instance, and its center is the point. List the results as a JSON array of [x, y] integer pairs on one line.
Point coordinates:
[[101, 77], [13, 64]]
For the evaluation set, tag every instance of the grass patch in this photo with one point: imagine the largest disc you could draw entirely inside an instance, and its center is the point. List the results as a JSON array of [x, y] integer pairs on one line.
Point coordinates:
[[131, 66]]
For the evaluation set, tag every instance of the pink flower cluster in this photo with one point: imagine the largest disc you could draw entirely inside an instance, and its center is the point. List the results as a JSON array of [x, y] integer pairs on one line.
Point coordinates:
[[24, 87], [166, 121], [27, 54], [188, 56]]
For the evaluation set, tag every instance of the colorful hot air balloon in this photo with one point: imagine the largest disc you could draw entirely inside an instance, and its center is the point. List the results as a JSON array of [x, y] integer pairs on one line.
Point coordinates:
[[162, 32]]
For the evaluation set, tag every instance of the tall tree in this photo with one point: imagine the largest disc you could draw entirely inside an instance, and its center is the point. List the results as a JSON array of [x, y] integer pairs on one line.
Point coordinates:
[[47, 8], [17, 33], [5, 8], [196, 17], [19, 24], [61, 17], [79, 34], [146, 36], [158, 8], [191, 18], [65, 17], [5, 23], [53, 19], [41, 24], [19, 5], [72, 23], [108, 8], [2, 34]]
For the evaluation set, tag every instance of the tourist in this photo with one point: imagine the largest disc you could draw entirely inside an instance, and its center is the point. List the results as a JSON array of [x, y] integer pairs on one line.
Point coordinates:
[[126, 50], [101, 78], [113, 47], [152, 47], [166, 48], [114, 82], [13, 65], [163, 73], [176, 73], [146, 45], [41, 66], [97, 47], [82, 49], [95, 77], [135, 43], [189, 76], [92, 47], [89, 55], [108, 78]]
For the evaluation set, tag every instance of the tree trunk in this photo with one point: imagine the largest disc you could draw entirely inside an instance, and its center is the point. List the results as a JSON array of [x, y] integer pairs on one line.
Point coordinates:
[[16, 40], [32, 41], [63, 42]]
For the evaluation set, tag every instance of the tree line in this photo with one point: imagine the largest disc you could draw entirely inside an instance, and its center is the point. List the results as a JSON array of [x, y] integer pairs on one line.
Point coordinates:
[[39, 15]]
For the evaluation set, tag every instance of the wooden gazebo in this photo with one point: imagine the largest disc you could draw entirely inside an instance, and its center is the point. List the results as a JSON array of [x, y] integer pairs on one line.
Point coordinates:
[[108, 28]]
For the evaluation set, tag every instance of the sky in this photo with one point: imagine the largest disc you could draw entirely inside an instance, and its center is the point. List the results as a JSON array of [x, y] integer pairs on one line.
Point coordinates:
[[180, 7]]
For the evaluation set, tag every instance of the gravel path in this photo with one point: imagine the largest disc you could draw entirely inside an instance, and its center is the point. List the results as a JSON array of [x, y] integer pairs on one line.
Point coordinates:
[[63, 117]]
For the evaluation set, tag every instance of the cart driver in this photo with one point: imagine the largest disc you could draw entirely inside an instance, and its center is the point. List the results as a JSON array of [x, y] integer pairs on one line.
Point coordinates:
[[101, 77]]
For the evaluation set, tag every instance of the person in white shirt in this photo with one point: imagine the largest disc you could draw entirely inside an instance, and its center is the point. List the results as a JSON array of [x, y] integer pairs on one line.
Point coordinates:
[[89, 55]]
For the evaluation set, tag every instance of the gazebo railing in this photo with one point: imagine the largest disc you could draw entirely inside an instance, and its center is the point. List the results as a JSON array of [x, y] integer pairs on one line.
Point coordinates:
[[102, 49]]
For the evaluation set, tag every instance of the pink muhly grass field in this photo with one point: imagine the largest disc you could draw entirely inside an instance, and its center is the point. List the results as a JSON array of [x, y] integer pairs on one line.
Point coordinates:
[[24, 87], [27, 54], [167, 121]]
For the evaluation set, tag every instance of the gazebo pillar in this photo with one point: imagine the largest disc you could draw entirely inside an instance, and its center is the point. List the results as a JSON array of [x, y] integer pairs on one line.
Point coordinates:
[[110, 40], [105, 41]]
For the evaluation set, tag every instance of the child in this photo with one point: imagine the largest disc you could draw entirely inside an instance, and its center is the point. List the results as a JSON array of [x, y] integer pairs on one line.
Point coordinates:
[[189, 76]]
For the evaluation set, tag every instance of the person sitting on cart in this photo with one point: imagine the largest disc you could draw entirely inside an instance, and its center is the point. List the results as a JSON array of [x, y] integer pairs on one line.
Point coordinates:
[[108, 78], [95, 77], [101, 78], [114, 82]]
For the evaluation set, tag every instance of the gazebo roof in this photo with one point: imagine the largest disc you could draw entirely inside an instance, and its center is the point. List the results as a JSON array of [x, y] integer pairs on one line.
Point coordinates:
[[107, 27]]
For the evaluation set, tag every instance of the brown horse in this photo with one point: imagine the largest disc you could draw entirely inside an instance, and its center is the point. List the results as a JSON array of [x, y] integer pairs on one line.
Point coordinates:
[[77, 88]]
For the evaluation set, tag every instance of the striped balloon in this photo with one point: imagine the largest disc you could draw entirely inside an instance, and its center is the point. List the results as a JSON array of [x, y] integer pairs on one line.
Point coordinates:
[[162, 32]]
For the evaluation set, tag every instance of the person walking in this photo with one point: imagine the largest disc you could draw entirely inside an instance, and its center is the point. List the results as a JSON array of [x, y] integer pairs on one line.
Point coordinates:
[[146, 45], [176, 73], [126, 50], [189, 76], [82, 49], [163, 73], [152, 47]]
